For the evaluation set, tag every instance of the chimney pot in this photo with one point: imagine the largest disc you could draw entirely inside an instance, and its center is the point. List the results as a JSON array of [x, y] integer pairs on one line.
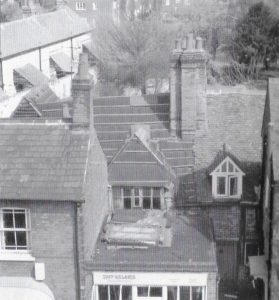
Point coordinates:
[[190, 42], [184, 43], [199, 41], [177, 44]]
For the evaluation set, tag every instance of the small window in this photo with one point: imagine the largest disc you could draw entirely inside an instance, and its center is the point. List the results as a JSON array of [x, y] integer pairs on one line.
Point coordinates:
[[233, 185], [197, 293], [142, 291], [221, 185], [172, 293], [15, 229], [80, 5], [185, 292]]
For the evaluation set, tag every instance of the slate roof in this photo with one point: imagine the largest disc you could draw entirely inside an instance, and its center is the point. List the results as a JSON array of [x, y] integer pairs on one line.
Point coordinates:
[[273, 94], [192, 249], [137, 164], [32, 75], [40, 30], [42, 161], [234, 120]]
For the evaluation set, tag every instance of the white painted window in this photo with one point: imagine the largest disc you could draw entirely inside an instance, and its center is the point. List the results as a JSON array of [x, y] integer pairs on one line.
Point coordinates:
[[14, 229], [143, 197], [80, 6], [227, 180]]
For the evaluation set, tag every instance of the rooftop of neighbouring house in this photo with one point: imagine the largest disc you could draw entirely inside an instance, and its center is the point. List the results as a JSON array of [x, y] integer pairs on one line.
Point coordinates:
[[40, 30], [234, 118], [234, 128], [155, 241], [273, 95], [45, 161]]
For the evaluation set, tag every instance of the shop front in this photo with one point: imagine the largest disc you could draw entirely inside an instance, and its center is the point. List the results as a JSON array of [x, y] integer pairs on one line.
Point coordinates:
[[149, 286]]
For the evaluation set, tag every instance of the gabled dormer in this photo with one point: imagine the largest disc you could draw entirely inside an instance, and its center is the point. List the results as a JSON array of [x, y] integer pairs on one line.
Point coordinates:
[[227, 179]]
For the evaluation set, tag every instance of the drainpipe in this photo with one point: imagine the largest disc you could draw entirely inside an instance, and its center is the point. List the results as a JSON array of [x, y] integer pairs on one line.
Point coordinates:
[[40, 59], [77, 254]]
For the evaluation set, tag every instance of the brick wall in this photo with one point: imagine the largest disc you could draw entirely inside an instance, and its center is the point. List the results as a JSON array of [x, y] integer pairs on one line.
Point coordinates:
[[52, 235]]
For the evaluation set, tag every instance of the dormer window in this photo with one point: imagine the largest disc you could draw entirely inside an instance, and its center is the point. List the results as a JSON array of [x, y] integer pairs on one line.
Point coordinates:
[[227, 180]]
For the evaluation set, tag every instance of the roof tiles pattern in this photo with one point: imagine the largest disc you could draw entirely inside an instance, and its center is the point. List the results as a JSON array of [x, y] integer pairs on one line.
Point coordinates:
[[42, 162]]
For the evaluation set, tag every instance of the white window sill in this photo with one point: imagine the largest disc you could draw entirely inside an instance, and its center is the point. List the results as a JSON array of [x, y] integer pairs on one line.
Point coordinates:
[[6, 256]]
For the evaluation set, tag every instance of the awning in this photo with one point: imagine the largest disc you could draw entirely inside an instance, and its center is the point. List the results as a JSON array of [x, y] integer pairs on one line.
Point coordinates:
[[24, 288], [62, 62], [32, 75], [258, 268]]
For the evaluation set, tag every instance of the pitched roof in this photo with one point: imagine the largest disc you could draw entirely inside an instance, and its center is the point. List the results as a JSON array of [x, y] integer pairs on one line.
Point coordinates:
[[40, 30], [234, 120], [273, 93], [191, 249], [62, 62], [137, 164], [32, 75], [42, 161]]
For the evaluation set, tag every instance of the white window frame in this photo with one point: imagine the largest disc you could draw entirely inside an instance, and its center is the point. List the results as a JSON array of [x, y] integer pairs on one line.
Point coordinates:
[[80, 5], [133, 196], [235, 173], [27, 229]]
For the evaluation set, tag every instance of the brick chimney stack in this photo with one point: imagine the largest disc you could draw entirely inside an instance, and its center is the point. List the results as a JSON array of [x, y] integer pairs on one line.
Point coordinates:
[[175, 88], [82, 93], [188, 88]]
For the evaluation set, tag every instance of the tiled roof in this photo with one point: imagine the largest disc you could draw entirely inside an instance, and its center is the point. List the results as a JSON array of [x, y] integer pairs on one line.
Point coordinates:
[[273, 92], [42, 161], [40, 30], [234, 120], [41, 94], [191, 249], [32, 75], [137, 164]]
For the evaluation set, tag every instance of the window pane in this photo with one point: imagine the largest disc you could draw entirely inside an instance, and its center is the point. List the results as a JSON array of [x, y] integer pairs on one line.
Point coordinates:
[[114, 292], [146, 191], [127, 203], [184, 293], [20, 220], [155, 291], [156, 192], [142, 291], [221, 185], [196, 293], [146, 203], [21, 239], [126, 293], [172, 292], [127, 192], [136, 190], [251, 250], [10, 240], [233, 186], [156, 203], [103, 292], [137, 202], [8, 219]]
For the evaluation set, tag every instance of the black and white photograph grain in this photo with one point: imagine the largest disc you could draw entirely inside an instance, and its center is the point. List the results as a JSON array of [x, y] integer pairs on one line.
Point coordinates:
[[139, 150]]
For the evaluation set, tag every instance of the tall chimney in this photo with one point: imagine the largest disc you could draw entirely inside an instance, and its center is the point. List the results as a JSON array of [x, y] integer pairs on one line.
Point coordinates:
[[175, 88], [82, 93], [193, 87]]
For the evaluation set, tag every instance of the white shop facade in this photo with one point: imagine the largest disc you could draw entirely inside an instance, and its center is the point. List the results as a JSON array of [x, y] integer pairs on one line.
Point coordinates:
[[149, 286]]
